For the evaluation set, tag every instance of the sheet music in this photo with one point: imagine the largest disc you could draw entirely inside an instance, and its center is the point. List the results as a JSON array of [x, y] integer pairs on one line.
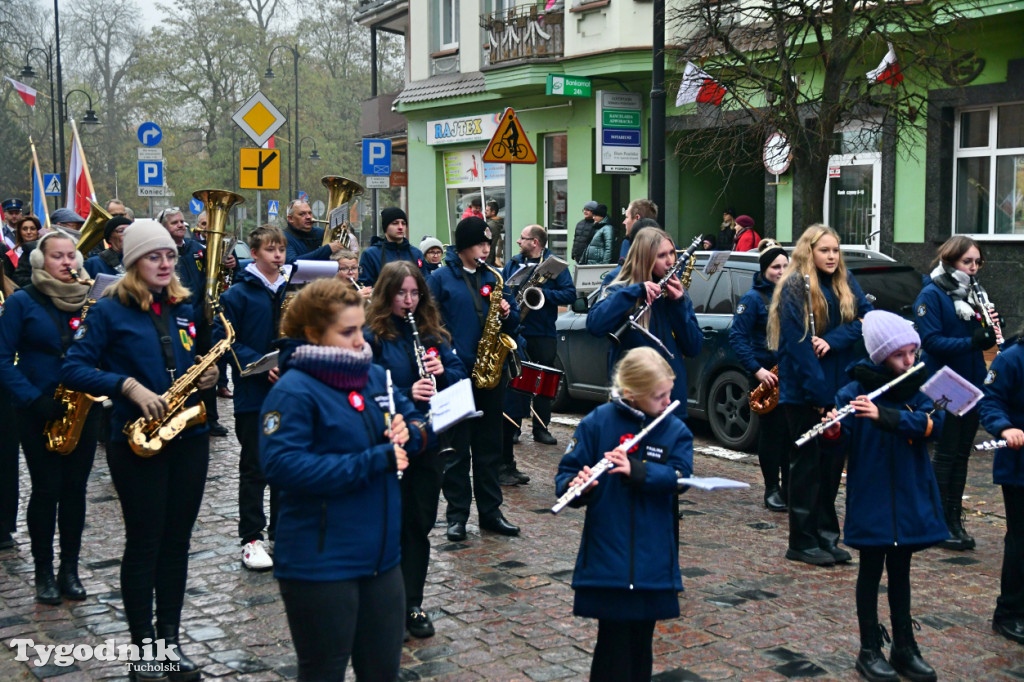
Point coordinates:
[[521, 276], [453, 405], [100, 284], [715, 261], [951, 392], [264, 364], [309, 270], [712, 483]]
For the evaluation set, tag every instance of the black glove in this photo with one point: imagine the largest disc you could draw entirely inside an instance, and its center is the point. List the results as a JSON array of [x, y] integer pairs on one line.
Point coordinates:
[[983, 338], [47, 408]]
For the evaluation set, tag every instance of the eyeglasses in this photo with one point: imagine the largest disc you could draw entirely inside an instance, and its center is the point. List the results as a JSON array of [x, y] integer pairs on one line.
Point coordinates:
[[156, 258], [167, 211], [348, 268]]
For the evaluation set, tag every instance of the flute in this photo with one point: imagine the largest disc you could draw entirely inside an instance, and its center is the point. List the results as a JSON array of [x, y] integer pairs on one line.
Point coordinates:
[[604, 465], [847, 410], [991, 445], [810, 305], [391, 411]]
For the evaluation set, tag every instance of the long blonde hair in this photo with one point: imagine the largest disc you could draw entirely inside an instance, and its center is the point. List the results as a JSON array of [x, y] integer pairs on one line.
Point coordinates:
[[640, 371], [801, 262], [131, 288], [639, 263]]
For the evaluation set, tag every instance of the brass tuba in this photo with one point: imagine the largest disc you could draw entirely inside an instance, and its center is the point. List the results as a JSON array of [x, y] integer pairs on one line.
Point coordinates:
[[92, 229], [218, 204], [340, 190]]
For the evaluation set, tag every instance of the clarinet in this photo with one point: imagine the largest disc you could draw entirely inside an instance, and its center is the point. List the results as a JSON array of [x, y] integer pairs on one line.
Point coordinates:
[[604, 465], [991, 445], [418, 351], [847, 410], [986, 307]]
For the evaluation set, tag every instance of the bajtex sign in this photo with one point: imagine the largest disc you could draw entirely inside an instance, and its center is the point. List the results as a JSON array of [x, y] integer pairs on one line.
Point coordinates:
[[463, 129]]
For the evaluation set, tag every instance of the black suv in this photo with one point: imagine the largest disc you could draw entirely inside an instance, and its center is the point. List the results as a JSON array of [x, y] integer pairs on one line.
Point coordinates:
[[718, 385]]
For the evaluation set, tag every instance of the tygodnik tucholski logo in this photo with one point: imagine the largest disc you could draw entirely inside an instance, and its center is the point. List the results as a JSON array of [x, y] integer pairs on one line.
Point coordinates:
[[151, 656]]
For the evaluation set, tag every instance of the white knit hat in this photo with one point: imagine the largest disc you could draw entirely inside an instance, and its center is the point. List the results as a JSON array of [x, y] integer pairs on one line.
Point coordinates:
[[428, 242], [144, 236], [885, 333]]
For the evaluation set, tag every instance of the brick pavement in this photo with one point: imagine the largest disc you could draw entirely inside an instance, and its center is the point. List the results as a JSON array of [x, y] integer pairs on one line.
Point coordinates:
[[502, 606]]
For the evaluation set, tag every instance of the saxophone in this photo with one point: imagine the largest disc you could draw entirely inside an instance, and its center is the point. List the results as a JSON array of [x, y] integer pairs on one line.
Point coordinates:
[[63, 433], [147, 437], [494, 345]]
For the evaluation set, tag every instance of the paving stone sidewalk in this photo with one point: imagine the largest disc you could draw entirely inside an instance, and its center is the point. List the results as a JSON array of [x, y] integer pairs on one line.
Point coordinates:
[[503, 606]]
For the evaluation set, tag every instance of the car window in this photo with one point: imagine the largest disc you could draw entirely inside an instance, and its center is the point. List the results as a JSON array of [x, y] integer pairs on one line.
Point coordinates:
[[721, 297], [700, 290], [894, 288], [741, 283]]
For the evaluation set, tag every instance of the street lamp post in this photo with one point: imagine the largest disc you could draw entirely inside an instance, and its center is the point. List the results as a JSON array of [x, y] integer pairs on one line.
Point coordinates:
[[90, 118], [28, 73], [60, 78], [293, 189]]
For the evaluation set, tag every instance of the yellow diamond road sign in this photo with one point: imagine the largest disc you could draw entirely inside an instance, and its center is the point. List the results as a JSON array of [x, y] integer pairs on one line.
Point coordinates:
[[259, 118]]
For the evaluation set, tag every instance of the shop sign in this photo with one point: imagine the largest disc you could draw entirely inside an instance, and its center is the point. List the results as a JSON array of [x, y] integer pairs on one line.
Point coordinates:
[[478, 128], [618, 132]]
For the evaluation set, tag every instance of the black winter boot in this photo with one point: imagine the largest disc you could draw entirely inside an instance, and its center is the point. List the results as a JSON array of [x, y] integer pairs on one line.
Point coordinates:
[[184, 669], [142, 670], [906, 657], [943, 466], [46, 586], [957, 483], [67, 581], [871, 662]]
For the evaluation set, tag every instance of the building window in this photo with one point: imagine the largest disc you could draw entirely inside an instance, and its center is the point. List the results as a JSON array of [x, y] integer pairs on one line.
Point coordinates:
[[447, 24], [556, 190], [989, 170]]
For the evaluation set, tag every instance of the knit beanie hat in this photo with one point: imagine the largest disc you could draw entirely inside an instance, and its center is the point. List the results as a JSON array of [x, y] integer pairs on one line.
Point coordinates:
[[114, 223], [601, 210], [590, 206], [768, 257], [390, 215], [885, 333], [470, 232], [144, 236], [744, 221], [428, 243]]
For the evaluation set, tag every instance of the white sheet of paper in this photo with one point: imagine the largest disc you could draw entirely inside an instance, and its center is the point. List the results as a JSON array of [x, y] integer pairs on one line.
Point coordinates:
[[100, 284], [712, 483], [264, 364], [309, 270], [452, 405], [952, 392], [715, 261]]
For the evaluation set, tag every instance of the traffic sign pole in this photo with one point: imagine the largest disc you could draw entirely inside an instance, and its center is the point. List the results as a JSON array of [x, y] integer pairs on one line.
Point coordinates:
[[508, 212], [259, 205]]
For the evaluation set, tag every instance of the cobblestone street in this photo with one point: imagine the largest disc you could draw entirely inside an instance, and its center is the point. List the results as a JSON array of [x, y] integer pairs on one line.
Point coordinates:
[[502, 606]]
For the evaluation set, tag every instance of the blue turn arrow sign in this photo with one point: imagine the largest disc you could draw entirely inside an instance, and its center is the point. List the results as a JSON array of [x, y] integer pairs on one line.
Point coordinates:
[[150, 134]]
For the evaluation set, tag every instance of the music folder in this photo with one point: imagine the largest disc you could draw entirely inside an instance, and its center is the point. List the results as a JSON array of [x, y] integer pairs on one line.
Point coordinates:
[[951, 392], [264, 364], [453, 405]]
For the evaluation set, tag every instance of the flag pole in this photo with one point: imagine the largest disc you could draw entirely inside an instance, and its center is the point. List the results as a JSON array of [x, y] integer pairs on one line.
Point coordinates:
[[37, 181], [85, 164]]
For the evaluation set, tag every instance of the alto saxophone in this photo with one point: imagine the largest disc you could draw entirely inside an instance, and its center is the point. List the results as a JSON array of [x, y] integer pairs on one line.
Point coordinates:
[[147, 437], [494, 345]]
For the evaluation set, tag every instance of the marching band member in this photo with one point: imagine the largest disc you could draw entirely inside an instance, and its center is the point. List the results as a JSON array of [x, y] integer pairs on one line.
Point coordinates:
[[462, 291], [393, 246], [348, 271], [811, 365], [304, 238], [627, 570], [141, 337], [1002, 414], [336, 557], [952, 334], [252, 304], [892, 500], [749, 338], [108, 261], [38, 324], [670, 319], [401, 290]]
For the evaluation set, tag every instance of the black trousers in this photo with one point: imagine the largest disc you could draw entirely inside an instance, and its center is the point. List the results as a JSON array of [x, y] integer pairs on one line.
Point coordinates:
[[1010, 603], [251, 483], [773, 445], [10, 439], [814, 478], [58, 487], [333, 621], [896, 561], [541, 349], [951, 459], [477, 444], [160, 497], [623, 651], [421, 488]]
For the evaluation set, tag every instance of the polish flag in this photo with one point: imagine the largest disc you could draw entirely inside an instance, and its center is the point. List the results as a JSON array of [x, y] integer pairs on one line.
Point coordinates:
[[80, 190], [27, 93], [888, 71], [698, 86]]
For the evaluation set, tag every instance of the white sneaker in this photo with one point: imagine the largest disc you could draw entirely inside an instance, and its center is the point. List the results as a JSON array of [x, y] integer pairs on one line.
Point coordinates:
[[255, 558]]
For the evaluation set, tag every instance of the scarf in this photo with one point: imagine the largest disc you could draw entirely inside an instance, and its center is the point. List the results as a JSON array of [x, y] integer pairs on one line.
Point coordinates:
[[956, 284], [68, 297], [340, 368]]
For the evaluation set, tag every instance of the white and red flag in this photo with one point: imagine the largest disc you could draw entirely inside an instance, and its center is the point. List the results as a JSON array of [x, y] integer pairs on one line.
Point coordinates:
[[888, 71], [80, 190], [698, 86], [27, 93]]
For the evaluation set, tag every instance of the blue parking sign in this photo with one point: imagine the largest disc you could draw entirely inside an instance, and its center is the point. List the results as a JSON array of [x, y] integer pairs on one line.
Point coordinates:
[[376, 156], [151, 173]]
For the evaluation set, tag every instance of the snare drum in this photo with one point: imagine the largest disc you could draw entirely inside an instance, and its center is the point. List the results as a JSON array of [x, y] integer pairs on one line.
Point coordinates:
[[537, 380]]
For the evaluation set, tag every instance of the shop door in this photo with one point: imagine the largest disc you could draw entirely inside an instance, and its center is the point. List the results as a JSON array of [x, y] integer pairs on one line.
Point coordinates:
[[852, 198]]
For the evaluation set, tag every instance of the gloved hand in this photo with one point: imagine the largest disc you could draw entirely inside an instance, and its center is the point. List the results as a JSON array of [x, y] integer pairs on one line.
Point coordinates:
[[983, 338], [208, 379], [153, 406], [46, 407]]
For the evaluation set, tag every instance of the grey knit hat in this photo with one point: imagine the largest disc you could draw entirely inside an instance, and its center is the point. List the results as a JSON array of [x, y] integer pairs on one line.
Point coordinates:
[[885, 333], [427, 243], [144, 236]]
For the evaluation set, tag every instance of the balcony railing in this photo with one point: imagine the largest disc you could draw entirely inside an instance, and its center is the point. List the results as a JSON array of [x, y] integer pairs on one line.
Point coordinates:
[[523, 32]]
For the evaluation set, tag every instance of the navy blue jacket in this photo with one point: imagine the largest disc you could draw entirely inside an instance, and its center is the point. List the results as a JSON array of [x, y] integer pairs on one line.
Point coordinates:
[[191, 270], [122, 341], [31, 331], [339, 504], [804, 379], [945, 338], [305, 245], [674, 322], [629, 536], [748, 334], [96, 264], [254, 312], [428, 267], [397, 356], [891, 494], [455, 301], [1003, 408], [380, 252], [560, 291]]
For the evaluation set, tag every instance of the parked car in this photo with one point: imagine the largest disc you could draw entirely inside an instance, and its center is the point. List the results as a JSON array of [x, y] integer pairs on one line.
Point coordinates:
[[718, 385]]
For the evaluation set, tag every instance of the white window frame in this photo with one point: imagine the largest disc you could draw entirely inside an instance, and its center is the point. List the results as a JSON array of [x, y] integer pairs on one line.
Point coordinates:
[[453, 18], [561, 173], [992, 152]]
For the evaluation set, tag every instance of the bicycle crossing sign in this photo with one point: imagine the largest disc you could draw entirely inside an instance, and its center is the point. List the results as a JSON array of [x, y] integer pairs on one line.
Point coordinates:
[[510, 143]]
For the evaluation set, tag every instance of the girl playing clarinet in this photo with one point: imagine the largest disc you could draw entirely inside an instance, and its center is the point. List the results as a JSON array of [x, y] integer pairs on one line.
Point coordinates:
[[627, 569]]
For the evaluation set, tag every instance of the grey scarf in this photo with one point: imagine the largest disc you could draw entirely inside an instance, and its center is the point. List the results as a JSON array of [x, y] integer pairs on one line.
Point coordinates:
[[957, 285], [66, 296]]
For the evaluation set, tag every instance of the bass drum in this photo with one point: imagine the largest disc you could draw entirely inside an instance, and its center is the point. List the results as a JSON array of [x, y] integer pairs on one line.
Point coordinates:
[[537, 380]]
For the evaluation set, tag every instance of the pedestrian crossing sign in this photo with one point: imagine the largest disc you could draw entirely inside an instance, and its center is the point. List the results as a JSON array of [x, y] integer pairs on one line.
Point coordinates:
[[510, 143], [51, 185]]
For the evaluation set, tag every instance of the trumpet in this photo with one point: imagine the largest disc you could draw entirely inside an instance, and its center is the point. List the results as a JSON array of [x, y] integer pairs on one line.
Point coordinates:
[[991, 445], [763, 400]]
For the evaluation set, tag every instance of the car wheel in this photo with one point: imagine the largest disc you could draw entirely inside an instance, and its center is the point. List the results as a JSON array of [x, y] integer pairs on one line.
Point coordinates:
[[560, 402], [729, 413]]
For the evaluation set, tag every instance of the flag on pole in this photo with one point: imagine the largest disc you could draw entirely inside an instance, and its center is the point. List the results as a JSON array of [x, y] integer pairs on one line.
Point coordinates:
[[39, 206], [27, 93], [888, 71], [698, 86], [80, 190]]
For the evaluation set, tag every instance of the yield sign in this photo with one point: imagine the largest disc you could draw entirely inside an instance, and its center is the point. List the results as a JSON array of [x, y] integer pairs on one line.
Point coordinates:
[[510, 143]]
